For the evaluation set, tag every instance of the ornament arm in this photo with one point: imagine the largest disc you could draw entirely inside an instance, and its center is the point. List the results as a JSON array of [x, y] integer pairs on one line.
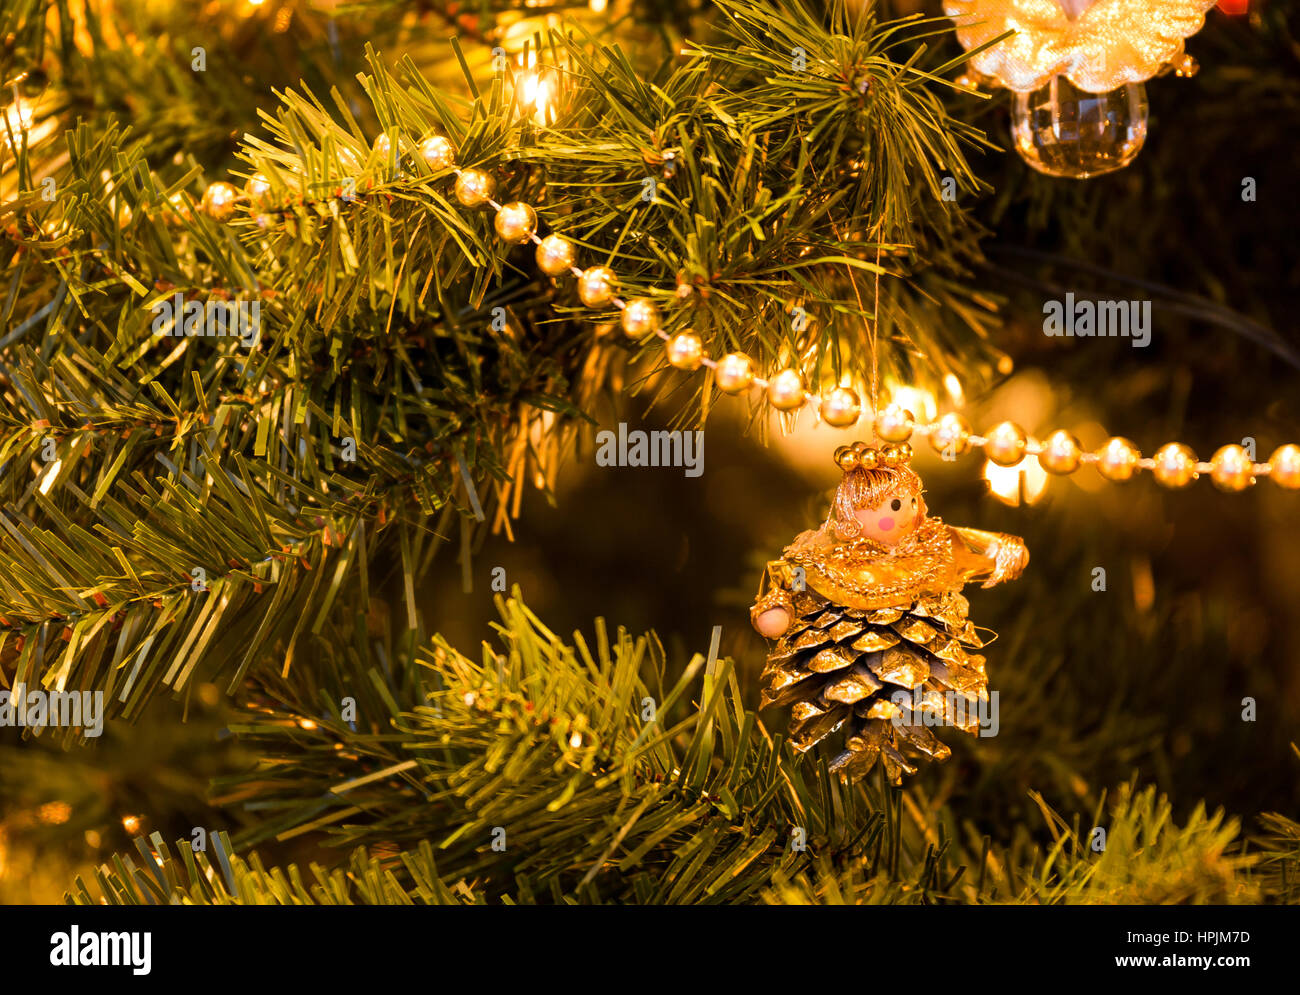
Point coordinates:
[[992, 557], [773, 609]]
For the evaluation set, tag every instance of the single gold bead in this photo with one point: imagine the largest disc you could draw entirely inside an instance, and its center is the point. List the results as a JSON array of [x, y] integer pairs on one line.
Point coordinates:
[[474, 187], [1061, 453], [596, 286], [1117, 459], [841, 407], [515, 222], [437, 153], [868, 459], [219, 201], [785, 390], [735, 372], [1006, 444], [951, 435], [895, 423], [895, 454], [555, 255], [258, 189], [1232, 469], [1175, 465], [178, 207], [1286, 466], [382, 145], [847, 459], [685, 350], [640, 318]]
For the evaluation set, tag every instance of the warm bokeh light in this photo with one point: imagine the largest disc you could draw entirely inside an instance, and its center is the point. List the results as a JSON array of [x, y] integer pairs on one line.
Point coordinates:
[[1022, 483], [919, 401], [55, 813], [955, 393], [18, 118]]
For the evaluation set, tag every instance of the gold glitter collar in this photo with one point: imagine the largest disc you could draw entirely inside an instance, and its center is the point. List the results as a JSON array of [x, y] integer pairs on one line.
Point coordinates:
[[864, 573]]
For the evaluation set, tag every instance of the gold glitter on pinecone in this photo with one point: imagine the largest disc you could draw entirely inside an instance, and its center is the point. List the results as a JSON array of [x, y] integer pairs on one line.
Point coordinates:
[[879, 674]]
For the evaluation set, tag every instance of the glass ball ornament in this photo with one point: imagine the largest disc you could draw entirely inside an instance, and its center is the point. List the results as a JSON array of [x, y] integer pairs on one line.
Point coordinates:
[[515, 222], [735, 372], [785, 390], [685, 351], [1063, 131], [555, 255], [841, 407], [596, 286], [474, 187]]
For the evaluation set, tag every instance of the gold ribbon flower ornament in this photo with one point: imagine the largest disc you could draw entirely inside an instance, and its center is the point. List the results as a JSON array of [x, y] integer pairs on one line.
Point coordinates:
[[1077, 68], [1098, 45]]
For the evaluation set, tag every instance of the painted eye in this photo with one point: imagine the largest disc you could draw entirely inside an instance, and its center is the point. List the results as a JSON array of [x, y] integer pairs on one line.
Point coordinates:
[[913, 502], [895, 504]]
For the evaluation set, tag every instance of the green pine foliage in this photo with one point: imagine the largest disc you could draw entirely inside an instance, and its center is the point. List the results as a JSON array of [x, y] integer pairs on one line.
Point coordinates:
[[578, 772], [243, 538]]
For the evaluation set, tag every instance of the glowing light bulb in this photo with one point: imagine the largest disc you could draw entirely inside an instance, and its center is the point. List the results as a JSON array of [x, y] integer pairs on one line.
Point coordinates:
[[537, 94], [598, 6]]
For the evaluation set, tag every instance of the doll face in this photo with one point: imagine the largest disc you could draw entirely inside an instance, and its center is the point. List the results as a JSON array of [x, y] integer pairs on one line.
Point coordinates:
[[895, 517]]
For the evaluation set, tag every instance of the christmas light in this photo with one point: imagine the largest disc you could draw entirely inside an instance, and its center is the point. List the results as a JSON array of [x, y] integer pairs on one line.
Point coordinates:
[[1023, 482]]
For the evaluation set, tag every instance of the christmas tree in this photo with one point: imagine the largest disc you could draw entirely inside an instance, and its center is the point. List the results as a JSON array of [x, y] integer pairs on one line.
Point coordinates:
[[403, 398]]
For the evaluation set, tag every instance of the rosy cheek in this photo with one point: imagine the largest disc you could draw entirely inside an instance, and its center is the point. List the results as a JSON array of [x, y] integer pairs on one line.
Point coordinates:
[[886, 524]]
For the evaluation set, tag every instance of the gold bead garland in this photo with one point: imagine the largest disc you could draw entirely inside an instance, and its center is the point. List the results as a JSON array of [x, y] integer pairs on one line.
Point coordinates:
[[1174, 465]]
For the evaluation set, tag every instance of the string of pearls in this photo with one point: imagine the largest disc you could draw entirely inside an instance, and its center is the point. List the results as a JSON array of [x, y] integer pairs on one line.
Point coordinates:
[[1174, 465]]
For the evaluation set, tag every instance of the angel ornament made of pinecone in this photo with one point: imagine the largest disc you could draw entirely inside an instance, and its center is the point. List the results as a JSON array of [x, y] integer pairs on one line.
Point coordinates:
[[870, 625]]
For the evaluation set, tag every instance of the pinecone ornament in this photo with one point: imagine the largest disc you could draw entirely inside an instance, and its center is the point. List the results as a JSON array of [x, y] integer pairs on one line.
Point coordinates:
[[872, 631]]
